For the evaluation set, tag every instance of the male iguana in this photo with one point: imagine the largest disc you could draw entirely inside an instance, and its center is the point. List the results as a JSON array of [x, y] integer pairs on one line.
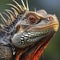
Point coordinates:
[[27, 32]]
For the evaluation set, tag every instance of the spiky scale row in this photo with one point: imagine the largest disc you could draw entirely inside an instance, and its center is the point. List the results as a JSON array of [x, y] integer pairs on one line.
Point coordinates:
[[17, 5], [14, 7], [27, 5], [4, 20], [1, 26], [14, 12], [23, 4], [6, 15]]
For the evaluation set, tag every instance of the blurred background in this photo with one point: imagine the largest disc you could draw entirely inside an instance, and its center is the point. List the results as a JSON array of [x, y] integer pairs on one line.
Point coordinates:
[[52, 52]]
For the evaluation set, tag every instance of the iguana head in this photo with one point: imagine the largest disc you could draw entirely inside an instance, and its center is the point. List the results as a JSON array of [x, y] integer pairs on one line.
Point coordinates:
[[33, 27], [30, 30]]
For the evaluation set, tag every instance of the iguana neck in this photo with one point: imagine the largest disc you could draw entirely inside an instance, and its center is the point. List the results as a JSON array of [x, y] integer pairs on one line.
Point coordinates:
[[35, 52]]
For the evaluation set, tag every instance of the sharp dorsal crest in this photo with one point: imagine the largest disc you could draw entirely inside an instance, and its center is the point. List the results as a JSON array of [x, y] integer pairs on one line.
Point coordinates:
[[13, 12]]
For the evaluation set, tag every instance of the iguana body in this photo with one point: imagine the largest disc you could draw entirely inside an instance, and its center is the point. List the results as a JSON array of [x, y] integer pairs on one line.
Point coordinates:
[[28, 32]]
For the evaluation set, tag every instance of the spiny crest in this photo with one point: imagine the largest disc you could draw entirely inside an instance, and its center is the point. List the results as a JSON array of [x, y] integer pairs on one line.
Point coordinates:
[[13, 12]]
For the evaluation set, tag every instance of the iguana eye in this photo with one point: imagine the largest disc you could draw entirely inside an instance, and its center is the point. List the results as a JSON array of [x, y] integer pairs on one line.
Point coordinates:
[[32, 19]]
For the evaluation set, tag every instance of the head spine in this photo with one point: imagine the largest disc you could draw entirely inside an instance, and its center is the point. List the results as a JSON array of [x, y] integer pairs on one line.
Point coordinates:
[[12, 13]]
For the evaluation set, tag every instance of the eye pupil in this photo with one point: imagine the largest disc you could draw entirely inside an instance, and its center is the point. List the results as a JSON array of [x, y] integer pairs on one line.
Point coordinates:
[[32, 19]]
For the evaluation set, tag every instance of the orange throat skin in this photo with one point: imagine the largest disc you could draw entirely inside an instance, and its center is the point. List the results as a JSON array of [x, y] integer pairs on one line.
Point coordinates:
[[37, 51]]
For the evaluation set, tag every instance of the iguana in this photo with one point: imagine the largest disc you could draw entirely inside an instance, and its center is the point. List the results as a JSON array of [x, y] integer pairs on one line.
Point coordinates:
[[25, 34]]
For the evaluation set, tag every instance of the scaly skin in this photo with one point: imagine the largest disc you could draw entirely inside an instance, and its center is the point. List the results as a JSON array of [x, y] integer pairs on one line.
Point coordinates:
[[43, 32], [27, 32]]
